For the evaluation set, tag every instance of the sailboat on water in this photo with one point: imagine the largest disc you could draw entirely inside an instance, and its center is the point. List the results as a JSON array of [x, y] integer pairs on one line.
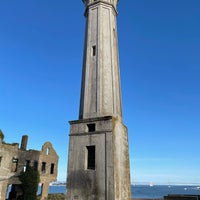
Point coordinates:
[[151, 184]]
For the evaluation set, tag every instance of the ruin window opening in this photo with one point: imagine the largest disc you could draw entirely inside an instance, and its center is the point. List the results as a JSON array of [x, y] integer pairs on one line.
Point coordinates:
[[35, 165], [52, 168], [91, 127], [0, 160], [94, 50], [14, 165], [43, 167], [27, 164], [47, 151], [41, 190], [91, 157]]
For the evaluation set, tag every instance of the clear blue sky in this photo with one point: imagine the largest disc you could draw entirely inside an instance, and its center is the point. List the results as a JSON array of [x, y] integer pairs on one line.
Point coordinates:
[[41, 45]]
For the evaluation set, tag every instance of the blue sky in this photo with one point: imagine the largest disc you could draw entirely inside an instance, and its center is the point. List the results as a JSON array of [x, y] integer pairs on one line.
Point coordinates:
[[41, 45]]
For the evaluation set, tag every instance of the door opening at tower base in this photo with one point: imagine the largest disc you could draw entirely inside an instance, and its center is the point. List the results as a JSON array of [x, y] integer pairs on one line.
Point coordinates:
[[90, 157]]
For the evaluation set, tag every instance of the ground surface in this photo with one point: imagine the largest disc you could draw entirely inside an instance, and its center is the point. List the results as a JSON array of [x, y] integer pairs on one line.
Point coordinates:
[[55, 197], [62, 197]]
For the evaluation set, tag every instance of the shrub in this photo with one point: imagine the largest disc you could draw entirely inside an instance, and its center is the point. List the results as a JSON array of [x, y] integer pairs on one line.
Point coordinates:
[[30, 180], [56, 197]]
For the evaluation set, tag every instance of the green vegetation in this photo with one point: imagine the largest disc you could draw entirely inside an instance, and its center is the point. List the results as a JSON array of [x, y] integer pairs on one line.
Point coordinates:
[[30, 180], [55, 197]]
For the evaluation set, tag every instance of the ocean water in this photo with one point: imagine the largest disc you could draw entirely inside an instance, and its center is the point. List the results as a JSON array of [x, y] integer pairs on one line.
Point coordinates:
[[159, 191], [146, 191]]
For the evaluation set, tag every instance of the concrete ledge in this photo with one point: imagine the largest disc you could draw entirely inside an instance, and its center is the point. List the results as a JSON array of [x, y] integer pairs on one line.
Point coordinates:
[[181, 197], [90, 120]]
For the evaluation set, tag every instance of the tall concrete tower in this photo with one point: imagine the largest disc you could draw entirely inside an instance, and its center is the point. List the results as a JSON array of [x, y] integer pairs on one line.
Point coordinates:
[[98, 159]]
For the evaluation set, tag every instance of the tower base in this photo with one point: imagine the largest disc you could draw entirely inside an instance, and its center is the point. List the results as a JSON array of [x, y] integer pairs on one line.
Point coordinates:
[[98, 160]]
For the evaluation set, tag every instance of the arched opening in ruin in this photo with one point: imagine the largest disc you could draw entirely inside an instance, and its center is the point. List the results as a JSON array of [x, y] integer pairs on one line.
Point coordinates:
[[14, 192], [8, 191]]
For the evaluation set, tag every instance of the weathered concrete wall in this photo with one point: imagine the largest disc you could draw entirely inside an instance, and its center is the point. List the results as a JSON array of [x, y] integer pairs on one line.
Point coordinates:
[[3, 189], [121, 161], [8, 160], [100, 92], [110, 180], [49, 156], [83, 183]]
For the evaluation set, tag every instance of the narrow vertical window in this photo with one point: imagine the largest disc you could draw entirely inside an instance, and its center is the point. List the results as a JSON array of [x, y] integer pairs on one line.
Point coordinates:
[[35, 165], [27, 164], [47, 151], [14, 165], [114, 32], [43, 167], [94, 50], [91, 157], [52, 168], [0, 160]]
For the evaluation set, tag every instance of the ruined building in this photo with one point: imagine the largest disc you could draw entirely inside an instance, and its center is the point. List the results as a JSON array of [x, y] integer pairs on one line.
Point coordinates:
[[15, 159], [98, 159]]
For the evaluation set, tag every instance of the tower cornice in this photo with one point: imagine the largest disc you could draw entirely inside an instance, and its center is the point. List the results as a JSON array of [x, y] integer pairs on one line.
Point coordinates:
[[87, 2], [90, 3]]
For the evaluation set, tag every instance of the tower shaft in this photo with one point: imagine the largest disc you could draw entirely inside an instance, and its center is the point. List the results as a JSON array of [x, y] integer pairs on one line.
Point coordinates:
[[100, 91]]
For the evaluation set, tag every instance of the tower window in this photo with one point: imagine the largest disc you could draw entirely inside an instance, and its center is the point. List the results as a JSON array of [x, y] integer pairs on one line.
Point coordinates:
[[0, 160], [91, 157], [52, 168], [91, 127], [94, 50], [43, 167], [114, 32]]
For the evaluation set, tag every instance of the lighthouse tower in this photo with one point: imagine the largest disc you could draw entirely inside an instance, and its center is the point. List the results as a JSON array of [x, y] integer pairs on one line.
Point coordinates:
[[98, 159]]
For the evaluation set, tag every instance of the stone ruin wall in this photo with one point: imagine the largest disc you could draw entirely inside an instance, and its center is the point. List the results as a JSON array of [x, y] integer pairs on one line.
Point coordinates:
[[15, 159]]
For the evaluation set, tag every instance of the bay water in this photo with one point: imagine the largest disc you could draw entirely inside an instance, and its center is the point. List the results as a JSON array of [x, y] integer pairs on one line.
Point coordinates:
[[146, 191]]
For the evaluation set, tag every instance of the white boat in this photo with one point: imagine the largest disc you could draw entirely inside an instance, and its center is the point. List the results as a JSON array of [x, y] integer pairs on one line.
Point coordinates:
[[151, 184]]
